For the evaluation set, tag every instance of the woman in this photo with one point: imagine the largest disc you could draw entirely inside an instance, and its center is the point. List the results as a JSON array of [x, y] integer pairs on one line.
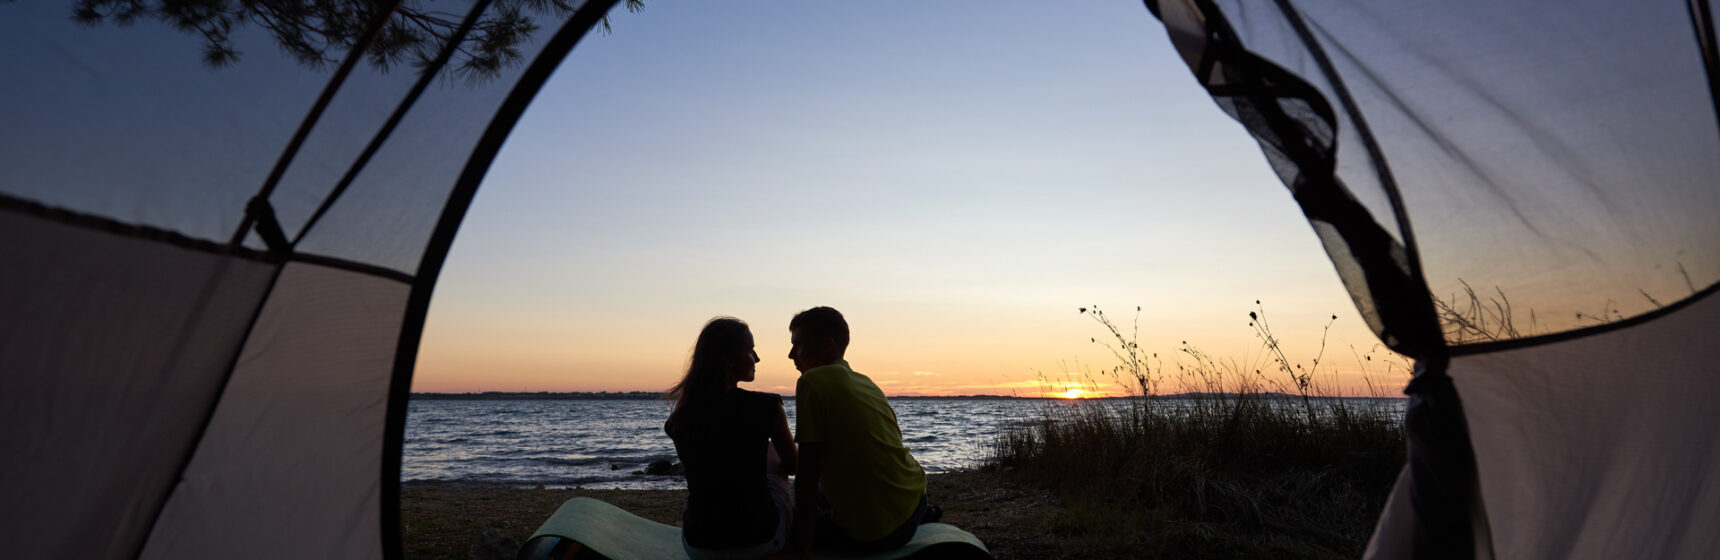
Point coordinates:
[[736, 447]]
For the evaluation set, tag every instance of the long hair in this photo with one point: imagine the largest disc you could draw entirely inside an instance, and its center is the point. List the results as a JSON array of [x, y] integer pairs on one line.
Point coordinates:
[[720, 343]]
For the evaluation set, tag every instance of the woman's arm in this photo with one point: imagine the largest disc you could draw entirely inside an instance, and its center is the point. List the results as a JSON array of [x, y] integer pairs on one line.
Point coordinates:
[[783, 440]]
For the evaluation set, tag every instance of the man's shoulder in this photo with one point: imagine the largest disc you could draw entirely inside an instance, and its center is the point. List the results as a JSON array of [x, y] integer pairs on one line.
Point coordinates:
[[829, 375], [830, 369]]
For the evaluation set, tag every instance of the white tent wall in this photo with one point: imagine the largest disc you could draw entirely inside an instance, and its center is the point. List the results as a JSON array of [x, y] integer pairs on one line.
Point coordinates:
[[1604, 446], [1568, 466], [114, 345], [291, 459], [1394, 533]]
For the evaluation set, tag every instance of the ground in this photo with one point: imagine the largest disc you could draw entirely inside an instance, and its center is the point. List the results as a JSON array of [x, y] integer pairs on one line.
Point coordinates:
[[1014, 521]]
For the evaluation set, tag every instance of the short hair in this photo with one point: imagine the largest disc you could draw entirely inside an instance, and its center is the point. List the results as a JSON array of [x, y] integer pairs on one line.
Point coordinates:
[[822, 321]]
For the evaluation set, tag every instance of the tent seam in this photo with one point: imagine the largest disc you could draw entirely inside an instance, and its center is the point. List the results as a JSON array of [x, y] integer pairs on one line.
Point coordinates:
[[1519, 343], [175, 483], [182, 241], [209, 416]]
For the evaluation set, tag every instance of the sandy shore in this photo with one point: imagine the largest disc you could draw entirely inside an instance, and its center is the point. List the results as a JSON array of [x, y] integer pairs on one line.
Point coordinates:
[[442, 522]]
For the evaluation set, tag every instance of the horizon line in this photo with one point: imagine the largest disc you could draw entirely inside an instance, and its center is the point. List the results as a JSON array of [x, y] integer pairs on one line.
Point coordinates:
[[646, 395]]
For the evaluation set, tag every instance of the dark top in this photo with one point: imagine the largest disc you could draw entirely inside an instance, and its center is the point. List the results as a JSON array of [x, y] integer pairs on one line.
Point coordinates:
[[722, 442]]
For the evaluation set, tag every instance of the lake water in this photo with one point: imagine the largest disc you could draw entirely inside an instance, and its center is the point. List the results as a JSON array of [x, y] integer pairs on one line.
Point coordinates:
[[605, 443], [602, 443]]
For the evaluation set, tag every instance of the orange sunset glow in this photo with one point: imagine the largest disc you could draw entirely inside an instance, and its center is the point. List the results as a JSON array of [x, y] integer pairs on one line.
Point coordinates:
[[956, 224]]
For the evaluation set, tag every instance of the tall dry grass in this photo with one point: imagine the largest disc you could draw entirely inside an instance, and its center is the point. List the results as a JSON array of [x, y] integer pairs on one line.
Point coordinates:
[[1240, 459]]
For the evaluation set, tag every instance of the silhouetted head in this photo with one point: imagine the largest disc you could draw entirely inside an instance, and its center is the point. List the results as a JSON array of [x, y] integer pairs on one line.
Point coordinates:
[[722, 357], [819, 336]]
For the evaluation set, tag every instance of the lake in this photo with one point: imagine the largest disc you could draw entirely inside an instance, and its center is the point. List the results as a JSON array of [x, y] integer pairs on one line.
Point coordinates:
[[603, 443], [607, 443]]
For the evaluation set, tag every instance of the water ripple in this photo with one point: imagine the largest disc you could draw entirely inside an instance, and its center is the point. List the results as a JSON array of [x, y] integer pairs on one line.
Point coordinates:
[[602, 443]]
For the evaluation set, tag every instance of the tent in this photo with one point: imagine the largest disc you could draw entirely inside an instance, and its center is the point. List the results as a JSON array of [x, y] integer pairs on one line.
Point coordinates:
[[1523, 198], [212, 283]]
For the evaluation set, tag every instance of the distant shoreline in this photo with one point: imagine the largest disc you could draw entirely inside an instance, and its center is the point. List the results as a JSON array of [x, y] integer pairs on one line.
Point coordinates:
[[649, 395], [641, 396]]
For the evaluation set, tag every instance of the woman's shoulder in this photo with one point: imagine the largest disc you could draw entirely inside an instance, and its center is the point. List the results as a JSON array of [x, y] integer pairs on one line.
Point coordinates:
[[688, 415], [761, 397]]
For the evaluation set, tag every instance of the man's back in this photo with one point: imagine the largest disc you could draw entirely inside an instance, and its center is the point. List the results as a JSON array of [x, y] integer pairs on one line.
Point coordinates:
[[872, 482]]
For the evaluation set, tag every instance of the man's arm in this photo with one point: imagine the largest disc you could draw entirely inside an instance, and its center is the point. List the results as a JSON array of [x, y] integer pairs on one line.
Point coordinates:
[[806, 495]]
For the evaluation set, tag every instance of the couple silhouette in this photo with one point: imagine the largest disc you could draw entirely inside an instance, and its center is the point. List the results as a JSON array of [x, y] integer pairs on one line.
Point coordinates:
[[857, 488]]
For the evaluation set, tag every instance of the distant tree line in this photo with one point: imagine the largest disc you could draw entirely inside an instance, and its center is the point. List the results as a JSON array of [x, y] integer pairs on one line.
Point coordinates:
[[539, 396], [635, 395]]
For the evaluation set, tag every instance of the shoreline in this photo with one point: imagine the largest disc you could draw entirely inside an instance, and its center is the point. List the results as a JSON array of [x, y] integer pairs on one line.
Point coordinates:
[[644, 482], [443, 521], [652, 396]]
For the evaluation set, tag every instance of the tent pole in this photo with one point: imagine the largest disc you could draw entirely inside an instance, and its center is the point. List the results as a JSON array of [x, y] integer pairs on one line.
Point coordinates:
[[1442, 464], [372, 31], [1702, 19], [442, 239], [429, 73], [1253, 89], [1376, 156], [1450, 521]]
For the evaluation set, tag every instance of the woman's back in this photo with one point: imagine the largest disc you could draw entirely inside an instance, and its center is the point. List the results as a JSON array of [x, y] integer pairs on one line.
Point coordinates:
[[722, 441]]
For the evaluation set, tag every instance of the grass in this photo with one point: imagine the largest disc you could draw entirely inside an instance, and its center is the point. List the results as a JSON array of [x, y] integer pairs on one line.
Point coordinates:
[[1247, 460], [1243, 463]]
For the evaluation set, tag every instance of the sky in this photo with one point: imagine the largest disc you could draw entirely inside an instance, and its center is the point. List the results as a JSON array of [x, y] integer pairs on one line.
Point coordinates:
[[958, 179]]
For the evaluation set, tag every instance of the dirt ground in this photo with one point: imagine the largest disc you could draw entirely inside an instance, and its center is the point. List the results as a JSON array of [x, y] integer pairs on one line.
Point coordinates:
[[443, 522]]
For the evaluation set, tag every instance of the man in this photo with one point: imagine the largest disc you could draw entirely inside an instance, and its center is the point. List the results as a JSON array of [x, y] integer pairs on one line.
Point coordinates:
[[851, 451]]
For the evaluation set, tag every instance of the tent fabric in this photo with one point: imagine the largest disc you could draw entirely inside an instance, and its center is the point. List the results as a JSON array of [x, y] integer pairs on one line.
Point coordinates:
[[1517, 196], [170, 393], [294, 440], [1394, 532], [1558, 161], [128, 123], [113, 345], [1565, 474], [1520, 196]]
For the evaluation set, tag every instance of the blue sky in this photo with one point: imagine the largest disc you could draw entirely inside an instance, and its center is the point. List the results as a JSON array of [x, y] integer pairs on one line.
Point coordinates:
[[957, 178]]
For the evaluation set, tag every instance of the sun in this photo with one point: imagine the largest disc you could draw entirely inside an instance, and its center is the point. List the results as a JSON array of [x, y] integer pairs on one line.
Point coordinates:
[[1074, 393]]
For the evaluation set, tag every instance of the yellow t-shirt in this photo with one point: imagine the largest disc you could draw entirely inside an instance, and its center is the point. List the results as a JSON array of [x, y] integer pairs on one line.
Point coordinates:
[[871, 481]]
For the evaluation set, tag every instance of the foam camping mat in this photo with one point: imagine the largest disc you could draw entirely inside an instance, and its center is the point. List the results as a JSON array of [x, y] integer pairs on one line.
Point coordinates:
[[585, 528]]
